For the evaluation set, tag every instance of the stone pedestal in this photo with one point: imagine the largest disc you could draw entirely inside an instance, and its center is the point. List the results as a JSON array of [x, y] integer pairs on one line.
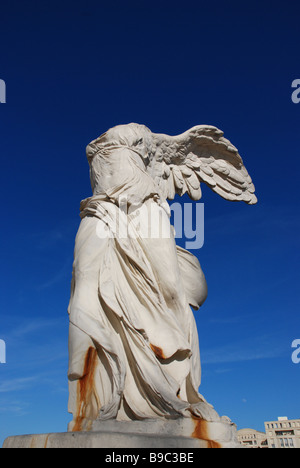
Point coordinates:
[[173, 434]]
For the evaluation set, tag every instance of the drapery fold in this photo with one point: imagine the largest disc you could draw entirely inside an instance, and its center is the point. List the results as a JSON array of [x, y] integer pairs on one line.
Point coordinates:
[[137, 352]]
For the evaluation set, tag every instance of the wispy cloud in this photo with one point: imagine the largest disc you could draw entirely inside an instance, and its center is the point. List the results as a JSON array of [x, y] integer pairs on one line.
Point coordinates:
[[46, 240], [231, 320], [34, 326], [16, 384], [43, 342], [63, 274], [16, 407], [250, 350]]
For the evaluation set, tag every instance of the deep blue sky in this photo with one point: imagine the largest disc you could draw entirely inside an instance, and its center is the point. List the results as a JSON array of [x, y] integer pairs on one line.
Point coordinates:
[[73, 70]]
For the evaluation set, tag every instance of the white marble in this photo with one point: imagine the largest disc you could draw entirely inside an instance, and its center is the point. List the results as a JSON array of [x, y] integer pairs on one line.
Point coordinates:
[[133, 341], [179, 433]]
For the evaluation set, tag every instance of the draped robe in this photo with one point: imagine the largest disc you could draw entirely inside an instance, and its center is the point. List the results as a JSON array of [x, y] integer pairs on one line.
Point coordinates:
[[133, 342]]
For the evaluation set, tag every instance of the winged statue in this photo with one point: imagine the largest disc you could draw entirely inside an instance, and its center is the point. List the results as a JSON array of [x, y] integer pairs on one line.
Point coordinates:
[[133, 341]]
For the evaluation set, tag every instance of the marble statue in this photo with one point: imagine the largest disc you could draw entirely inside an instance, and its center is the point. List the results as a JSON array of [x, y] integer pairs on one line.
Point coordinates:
[[133, 342]]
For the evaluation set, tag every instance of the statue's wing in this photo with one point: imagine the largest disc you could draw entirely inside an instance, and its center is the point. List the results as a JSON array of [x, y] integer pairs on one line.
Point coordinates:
[[180, 163]]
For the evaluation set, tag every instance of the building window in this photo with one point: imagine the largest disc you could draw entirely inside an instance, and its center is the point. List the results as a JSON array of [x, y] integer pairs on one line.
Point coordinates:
[[285, 432], [281, 443]]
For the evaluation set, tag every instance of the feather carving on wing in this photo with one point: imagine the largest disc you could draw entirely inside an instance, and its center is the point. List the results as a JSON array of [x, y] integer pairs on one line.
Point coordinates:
[[180, 163]]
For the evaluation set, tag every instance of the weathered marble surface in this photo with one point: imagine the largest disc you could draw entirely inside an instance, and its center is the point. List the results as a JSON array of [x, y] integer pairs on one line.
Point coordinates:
[[134, 351], [134, 359], [180, 433]]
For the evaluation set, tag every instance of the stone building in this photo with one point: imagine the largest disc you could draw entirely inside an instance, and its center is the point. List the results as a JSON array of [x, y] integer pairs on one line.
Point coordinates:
[[252, 438], [282, 433]]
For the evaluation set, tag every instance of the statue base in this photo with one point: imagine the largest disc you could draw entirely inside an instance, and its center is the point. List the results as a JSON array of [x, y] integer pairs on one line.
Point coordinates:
[[169, 434]]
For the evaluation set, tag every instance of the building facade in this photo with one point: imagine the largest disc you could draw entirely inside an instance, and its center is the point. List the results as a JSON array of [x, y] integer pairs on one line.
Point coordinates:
[[283, 433], [252, 438]]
